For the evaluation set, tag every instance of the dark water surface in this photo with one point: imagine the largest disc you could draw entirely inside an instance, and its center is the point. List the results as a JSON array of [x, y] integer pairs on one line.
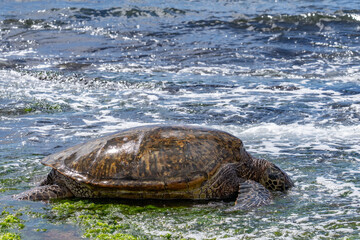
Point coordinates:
[[284, 76]]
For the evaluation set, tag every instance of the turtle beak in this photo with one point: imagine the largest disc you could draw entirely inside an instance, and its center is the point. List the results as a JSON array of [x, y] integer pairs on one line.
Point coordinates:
[[288, 182]]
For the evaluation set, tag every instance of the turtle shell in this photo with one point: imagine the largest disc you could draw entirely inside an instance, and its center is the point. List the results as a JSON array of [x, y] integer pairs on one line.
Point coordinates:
[[149, 158]]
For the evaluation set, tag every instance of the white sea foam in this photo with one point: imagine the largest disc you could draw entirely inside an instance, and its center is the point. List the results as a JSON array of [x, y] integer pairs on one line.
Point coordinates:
[[271, 138], [264, 138], [80, 99], [338, 188], [19, 53]]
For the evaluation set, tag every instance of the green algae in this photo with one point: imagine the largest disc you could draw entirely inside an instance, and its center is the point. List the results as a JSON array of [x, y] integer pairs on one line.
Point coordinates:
[[43, 106], [9, 236], [9, 224], [97, 221], [120, 219], [105, 220], [112, 220]]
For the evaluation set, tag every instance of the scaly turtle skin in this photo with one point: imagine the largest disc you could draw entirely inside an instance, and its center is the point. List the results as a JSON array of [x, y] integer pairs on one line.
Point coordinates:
[[161, 162]]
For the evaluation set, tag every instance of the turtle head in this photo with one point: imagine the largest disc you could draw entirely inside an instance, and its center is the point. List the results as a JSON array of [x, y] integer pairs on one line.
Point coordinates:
[[274, 178]]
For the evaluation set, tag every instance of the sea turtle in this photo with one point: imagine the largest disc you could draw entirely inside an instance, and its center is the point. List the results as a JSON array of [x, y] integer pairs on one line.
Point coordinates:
[[161, 162]]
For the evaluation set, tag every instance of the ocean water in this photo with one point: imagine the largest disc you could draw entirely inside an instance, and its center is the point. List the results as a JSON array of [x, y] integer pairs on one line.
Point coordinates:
[[283, 76]]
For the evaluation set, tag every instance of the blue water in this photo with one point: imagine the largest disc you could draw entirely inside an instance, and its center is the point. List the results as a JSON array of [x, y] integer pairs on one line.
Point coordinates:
[[284, 76]]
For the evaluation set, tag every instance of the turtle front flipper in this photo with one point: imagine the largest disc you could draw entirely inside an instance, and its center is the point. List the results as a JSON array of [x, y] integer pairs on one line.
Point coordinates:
[[252, 195], [45, 193]]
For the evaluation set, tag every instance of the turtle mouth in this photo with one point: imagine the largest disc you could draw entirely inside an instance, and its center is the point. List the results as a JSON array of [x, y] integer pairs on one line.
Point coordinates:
[[288, 182]]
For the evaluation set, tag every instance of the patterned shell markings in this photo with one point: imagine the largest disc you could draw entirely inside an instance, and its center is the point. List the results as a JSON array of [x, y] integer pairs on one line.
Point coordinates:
[[153, 158]]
